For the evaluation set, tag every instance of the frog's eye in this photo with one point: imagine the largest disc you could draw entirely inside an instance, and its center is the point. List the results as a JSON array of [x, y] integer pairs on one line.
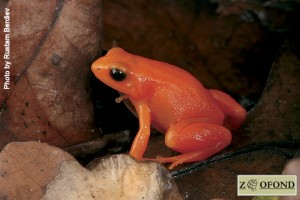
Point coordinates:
[[117, 74]]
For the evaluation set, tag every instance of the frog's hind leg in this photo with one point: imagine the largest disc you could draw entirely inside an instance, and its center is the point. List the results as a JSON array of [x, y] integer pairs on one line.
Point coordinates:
[[235, 114], [196, 141], [182, 158]]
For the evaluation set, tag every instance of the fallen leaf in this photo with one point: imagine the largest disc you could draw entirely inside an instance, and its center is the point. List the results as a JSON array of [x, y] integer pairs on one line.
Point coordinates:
[[51, 46], [222, 52], [113, 177], [35, 170], [269, 137], [27, 167]]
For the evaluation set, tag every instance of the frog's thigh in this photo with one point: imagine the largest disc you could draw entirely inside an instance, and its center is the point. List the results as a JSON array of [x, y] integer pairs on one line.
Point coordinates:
[[235, 114], [204, 138]]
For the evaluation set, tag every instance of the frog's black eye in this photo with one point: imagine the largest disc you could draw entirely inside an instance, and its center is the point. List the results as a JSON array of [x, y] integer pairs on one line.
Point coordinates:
[[117, 74]]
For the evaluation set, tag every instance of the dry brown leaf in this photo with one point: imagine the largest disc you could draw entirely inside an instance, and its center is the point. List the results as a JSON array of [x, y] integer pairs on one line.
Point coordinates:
[[269, 137], [27, 168], [52, 44], [190, 34]]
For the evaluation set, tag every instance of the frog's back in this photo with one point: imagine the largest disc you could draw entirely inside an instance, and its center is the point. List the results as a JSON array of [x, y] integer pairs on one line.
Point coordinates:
[[172, 93], [178, 95]]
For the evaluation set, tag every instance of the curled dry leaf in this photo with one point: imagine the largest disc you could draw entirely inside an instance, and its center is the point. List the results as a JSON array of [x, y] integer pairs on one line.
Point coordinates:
[[34, 170], [51, 45], [115, 177]]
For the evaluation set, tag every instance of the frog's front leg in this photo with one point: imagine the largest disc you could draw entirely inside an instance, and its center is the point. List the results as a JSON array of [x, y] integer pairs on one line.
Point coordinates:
[[140, 142], [196, 141]]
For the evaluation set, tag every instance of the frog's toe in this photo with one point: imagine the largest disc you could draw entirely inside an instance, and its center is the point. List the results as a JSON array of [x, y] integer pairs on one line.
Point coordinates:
[[174, 164]]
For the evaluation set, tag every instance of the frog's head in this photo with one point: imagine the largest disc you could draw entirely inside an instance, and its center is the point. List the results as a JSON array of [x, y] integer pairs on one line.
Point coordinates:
[[115, 69]]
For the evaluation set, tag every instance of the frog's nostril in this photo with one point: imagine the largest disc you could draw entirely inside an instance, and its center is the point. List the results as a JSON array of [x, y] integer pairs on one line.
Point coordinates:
[[95, 67]]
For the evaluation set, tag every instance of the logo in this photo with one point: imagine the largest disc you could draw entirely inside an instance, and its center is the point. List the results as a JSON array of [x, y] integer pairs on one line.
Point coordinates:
[[252, 184], [267, 185]]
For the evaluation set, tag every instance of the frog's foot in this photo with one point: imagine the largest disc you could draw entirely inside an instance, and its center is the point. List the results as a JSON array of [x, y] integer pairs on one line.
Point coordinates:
[[121, 98], [177, 160], [172, 160]]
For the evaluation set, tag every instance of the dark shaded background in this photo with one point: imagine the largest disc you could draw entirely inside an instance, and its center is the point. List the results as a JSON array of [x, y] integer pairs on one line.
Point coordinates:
[[249, 49]]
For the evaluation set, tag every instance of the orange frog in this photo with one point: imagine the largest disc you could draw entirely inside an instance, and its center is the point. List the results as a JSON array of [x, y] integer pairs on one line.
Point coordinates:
[[196, 121]]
